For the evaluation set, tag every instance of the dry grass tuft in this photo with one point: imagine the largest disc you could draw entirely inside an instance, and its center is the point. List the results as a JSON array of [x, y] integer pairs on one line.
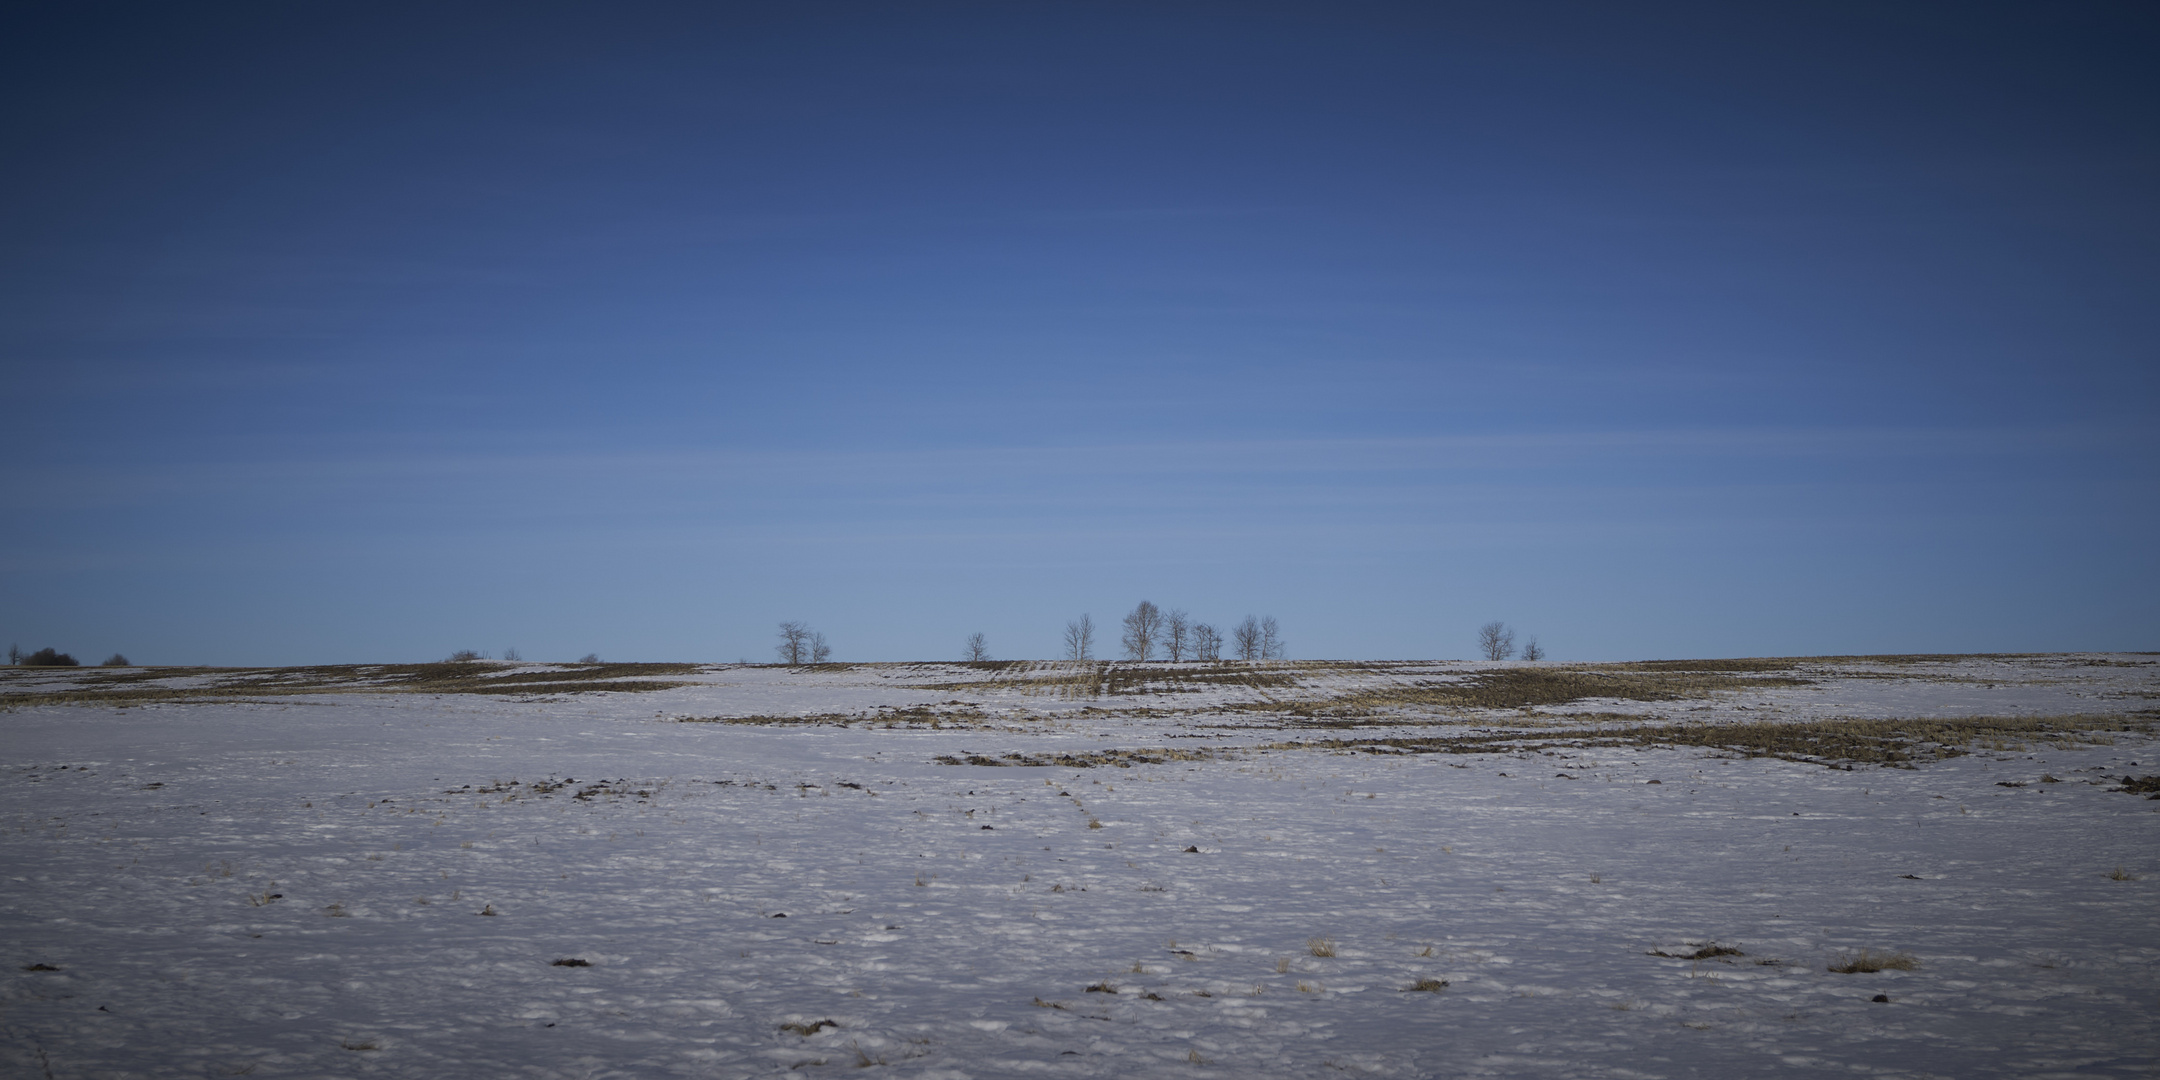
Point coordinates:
[[1123, 759], [1866, 962], [1708, 951], [1429, 986], [2121, 874], [1320, 946]]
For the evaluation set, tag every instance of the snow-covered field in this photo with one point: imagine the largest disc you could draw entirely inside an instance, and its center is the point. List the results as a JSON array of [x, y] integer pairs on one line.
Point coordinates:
[[1234, 872]]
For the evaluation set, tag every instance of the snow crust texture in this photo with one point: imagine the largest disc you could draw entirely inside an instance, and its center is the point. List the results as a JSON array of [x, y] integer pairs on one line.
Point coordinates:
[[1222, 870]]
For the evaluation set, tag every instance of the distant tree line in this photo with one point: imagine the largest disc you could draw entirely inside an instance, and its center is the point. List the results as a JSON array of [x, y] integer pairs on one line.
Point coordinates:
[[50, 657], [1496, 640], [1150, 632], [801, 645], [1147, 633]]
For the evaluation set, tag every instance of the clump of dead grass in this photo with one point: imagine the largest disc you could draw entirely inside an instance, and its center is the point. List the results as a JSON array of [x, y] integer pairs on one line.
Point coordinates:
[[1705, 951], [1867, 962]]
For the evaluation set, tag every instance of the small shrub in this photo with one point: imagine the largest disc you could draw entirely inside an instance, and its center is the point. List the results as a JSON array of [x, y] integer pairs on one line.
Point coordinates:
[[589, 658], [462, 656], [117, 660], [1104, 987], [807, 1030], [1429, 986], [1320, 946], [2121, 874], [1866, 962]]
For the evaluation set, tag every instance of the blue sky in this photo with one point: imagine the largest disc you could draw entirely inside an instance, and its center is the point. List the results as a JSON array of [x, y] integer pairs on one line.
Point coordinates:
[[369, 333]]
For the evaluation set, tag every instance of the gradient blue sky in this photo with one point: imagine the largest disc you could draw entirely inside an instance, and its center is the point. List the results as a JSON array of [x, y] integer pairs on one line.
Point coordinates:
[[349, 333]]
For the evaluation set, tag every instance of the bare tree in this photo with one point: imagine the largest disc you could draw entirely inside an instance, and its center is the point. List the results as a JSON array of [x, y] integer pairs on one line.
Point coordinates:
[[594, 658], [819, 651], [1177, 635], [513, 655], [1143, 631], [1531, 650], [1080, 639], [14, 654], [978, 649], [794, 645], [1495, 640], [1245, 639], [1271, 642], [1206, 642]]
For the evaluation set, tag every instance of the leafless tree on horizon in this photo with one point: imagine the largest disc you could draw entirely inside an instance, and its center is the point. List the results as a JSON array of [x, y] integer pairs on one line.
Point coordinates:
[[1271, 642], [1143, 631], [1206, 642], [1495, 640], [1080, 639], [978, 650], [1245, 639], [794, 644], [819, 651], [1177, 635], [1533, 651]]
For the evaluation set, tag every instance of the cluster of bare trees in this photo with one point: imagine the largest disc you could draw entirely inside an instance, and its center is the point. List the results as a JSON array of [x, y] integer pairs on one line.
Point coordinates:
[[1257, 640], [1080, 639], [1496, 640], [1149, 632], [801, 645]]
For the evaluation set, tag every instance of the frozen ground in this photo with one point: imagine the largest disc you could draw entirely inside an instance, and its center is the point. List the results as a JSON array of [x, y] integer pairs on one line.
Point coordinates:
[[372, 872]]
